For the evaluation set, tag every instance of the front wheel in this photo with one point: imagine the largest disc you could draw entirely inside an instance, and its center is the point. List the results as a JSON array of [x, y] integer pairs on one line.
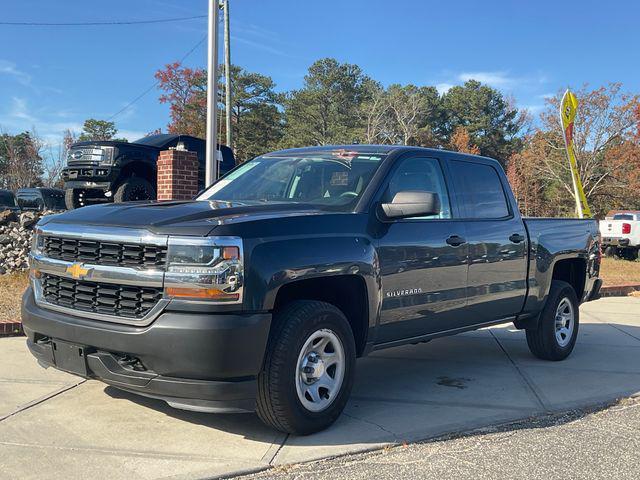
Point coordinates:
[[308, 370], [557, 330], [75, 198], [133, 189]]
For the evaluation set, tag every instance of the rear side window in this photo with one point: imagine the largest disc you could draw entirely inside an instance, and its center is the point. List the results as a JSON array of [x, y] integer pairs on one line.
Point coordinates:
[[623, 216], [479, 190]]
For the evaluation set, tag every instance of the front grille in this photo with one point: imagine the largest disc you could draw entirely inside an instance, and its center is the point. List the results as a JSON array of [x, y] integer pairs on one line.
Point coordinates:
[[104, 298], [105, 253], [86, 156]]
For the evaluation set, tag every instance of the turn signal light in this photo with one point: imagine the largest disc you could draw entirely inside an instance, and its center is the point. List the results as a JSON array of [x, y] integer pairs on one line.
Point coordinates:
[[201, 293]]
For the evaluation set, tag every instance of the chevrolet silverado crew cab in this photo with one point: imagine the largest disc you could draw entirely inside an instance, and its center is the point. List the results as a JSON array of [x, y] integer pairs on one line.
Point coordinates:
[[119, 171], [261, 293]]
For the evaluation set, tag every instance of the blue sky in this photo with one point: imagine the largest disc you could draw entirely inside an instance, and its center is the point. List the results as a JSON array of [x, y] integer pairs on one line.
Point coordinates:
[[52, 78]]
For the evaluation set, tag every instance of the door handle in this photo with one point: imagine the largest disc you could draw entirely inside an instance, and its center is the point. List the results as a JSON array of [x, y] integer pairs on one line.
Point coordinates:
[[516, 238], [455, 240]]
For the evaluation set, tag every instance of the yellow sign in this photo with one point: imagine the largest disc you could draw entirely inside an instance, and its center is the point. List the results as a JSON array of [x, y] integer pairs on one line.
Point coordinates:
[[77, 271], [568, 110]]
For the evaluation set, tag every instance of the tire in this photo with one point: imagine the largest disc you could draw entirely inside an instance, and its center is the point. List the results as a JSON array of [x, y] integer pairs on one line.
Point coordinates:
[[547, 341], [74, 198], [610, 251], [630, 253], [133, 189], [296, 329]]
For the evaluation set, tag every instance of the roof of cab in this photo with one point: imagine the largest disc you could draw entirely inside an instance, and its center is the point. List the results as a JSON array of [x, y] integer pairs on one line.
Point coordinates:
[[373, 149]]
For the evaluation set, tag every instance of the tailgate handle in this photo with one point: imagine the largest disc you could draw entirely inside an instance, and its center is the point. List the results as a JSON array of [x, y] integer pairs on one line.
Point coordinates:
[[455, 240], [516, 238]]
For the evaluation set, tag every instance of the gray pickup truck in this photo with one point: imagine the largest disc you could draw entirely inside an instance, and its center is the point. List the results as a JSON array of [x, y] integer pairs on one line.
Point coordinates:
[[262, 292]]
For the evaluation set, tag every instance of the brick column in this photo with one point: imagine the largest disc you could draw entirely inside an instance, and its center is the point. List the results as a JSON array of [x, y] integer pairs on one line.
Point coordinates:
[[177, 175]]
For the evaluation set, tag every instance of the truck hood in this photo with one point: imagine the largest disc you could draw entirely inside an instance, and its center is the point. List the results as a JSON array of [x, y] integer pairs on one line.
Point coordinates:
[[178, 218]]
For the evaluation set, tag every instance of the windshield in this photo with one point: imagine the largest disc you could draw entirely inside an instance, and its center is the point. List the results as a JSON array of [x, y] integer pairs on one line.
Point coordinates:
[[333, 179], [155, 140], [7, 199]]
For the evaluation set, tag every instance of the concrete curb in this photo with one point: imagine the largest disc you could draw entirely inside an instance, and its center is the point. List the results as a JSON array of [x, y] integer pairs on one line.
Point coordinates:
[[11, 328], [619, 290]]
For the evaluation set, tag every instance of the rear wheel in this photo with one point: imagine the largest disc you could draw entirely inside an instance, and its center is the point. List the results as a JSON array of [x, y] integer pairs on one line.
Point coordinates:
[[133, 189], [308, 370], [557, 330]]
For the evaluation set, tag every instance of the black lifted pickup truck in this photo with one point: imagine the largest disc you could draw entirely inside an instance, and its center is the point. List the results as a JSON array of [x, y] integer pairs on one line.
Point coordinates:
[[261, 294], [105, 171]]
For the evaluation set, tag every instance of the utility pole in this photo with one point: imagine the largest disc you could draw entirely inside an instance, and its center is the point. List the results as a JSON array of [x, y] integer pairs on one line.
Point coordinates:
[[212, 95], [227, 73]]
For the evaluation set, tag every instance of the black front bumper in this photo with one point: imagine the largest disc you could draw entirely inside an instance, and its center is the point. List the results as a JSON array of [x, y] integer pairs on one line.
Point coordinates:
[[89, 178], [198, 361]]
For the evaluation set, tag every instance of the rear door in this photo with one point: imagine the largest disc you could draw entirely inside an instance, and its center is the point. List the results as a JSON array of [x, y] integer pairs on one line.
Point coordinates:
[[423, 261], [498, 242]]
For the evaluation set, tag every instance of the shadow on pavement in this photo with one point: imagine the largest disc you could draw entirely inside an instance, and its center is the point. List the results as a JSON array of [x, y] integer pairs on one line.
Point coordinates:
[[455, 384]]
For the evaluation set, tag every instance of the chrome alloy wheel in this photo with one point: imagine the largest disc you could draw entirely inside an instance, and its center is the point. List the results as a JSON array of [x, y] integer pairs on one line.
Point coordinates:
[[320, 370], [564, 322]]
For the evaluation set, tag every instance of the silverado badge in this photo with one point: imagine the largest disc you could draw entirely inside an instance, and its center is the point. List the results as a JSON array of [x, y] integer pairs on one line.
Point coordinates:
[[77, 270]]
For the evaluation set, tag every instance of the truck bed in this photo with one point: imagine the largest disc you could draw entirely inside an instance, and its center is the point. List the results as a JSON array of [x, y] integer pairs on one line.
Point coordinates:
[[556, 239]]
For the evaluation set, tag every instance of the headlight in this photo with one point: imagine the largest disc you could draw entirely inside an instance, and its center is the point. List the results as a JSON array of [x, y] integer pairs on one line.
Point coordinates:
[[107, 155], [37, 242], [205, 269]]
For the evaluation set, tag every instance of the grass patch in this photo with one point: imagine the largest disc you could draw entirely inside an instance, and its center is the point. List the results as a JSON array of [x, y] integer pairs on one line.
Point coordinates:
[[619, 272], [11, 288]]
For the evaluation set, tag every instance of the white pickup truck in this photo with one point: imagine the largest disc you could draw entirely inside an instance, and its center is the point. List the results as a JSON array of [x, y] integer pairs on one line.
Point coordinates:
[[621, 234]]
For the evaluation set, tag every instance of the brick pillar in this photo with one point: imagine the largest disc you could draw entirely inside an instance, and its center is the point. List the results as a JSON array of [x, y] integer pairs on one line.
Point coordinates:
[[177, 175]]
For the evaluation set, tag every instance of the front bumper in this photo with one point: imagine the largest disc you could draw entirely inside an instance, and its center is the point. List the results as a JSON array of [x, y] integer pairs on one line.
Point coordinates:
[[94, 178], [197, 361]]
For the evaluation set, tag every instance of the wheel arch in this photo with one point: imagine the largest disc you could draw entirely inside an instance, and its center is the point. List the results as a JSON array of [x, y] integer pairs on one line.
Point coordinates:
[[346, 292], [137, 168]]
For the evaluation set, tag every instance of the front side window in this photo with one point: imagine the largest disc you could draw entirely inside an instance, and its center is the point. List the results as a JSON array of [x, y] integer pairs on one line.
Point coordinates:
[[479, 190], [331, 179], [420, 174]]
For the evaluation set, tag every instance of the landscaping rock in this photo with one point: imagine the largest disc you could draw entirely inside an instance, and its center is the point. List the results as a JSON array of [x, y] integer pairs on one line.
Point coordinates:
[[15, 239], [7, 216]]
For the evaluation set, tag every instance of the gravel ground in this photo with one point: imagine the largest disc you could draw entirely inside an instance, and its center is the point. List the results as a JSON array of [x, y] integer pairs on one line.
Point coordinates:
[[591, 444]]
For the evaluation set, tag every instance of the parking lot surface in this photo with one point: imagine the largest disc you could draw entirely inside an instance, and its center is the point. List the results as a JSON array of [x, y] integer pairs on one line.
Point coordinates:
[[54, 425]]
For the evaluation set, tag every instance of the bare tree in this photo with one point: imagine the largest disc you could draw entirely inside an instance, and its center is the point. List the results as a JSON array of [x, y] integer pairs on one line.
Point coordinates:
[[605, 116]]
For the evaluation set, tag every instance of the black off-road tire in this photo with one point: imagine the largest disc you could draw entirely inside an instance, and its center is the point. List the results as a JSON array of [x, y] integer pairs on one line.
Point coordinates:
[[133, 189], [278, 405], [73, 198], [542, 340]]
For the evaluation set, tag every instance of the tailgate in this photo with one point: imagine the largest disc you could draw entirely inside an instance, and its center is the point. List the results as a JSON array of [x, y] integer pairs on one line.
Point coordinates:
[[612, 228]]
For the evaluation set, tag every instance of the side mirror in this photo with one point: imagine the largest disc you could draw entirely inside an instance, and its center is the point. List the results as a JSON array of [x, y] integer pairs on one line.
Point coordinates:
[[411, 203]]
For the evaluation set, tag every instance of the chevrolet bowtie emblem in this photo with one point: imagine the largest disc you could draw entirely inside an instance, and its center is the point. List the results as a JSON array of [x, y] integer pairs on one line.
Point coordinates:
[[77, 271]]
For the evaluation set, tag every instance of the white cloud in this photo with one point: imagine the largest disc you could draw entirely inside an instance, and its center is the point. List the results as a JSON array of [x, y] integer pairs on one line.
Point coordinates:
[[443, 87], [10, 68], [261, 46], [494, 79], [131, 135], [19, 110]]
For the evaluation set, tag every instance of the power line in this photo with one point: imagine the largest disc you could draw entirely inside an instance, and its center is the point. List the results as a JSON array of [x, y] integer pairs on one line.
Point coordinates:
[[155, 84], [93, 24]]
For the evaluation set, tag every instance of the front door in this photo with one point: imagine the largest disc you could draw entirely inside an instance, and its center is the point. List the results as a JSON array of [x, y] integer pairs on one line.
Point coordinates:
[[423, 261]]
